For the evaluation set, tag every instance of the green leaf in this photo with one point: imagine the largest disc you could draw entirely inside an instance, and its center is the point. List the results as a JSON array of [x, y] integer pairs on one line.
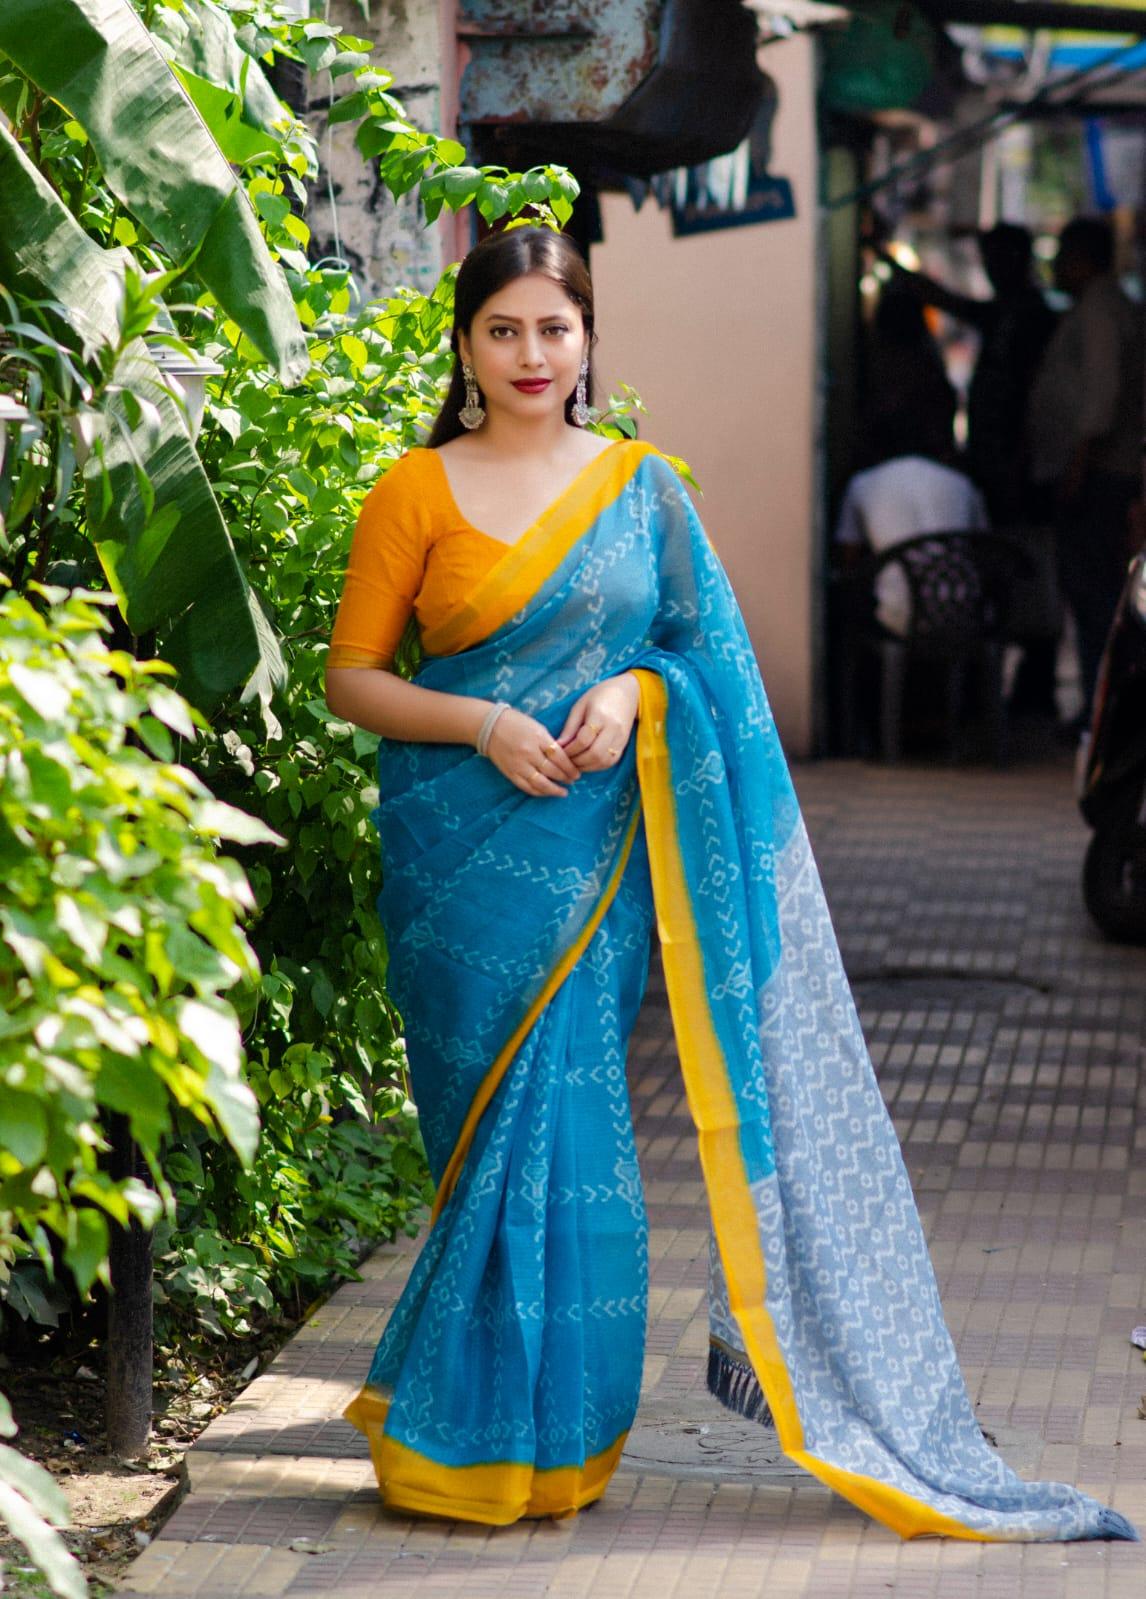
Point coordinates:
[[222, 111], [120, 1085], [45, 1546], [98, 60], [226, 821], [23, 1126], [46, 254], [462, 183], [30, 1480], [165, 704], [85, 1252], [356, 349], [180, 571], [275, 208], [201, 37], [46, 694], [348, 107]]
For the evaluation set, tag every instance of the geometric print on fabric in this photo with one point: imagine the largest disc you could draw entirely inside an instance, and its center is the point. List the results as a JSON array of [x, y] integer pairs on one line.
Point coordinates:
[[519, 1337]]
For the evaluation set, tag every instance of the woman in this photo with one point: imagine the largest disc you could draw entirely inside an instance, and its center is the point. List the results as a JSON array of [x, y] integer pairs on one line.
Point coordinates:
[[588, 736]]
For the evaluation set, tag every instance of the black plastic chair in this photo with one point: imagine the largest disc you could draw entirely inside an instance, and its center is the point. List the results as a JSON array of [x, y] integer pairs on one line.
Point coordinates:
[[963, 588]]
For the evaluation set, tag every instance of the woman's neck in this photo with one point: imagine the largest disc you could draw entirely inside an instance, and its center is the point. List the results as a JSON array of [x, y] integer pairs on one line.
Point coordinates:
[[510, 438]]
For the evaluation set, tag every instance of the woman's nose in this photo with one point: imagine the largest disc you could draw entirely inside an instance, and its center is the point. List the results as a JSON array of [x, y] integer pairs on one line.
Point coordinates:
[[530, 351]]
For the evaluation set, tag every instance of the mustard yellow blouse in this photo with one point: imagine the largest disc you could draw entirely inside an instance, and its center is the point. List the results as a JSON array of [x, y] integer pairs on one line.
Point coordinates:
[[413, 553]]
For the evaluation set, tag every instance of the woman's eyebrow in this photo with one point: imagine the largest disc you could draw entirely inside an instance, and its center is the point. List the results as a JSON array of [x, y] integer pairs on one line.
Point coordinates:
[[500, 316]]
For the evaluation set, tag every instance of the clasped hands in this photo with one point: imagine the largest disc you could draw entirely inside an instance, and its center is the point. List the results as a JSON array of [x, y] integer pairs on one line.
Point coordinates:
[[596, 733]]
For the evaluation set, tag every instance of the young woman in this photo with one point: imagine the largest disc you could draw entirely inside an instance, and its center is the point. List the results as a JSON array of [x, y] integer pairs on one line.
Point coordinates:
[[588, 737]]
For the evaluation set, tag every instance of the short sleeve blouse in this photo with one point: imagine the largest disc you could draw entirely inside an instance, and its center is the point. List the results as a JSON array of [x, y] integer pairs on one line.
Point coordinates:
[[413, 554]]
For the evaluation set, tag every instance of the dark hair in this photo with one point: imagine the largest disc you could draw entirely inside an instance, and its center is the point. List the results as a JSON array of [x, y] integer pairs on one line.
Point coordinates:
[[498, 260], [1006, 251], [1092, 238]]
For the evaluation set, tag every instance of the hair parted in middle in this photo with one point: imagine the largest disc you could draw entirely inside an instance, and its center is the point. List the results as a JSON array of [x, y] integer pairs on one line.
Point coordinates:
[[496, 261]]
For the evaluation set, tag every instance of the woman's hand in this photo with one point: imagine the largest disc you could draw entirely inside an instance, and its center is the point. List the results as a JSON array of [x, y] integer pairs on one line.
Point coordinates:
[[527, 753], [600, 723]]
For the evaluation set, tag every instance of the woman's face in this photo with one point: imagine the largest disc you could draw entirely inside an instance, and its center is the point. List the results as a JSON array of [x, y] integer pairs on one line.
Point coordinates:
[[526, 345]]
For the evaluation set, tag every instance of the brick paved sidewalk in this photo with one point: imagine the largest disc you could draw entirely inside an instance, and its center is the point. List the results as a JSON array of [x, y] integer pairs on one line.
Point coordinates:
[[1009, 1042]]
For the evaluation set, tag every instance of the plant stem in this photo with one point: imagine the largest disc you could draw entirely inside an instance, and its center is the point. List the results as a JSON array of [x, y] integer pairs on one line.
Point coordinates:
[[29, 128], [79, 195], [46, 522]]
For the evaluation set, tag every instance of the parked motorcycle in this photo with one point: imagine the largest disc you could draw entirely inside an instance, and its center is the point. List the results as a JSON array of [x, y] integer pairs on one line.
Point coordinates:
[[1113, 788]]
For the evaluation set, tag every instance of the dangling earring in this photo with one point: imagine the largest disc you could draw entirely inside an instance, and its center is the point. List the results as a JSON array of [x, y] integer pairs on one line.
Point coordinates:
[[581, 412], [472, 413]]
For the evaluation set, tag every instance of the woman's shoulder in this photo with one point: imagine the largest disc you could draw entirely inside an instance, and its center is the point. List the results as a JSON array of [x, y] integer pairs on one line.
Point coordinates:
[[662, 468], [408, 484]]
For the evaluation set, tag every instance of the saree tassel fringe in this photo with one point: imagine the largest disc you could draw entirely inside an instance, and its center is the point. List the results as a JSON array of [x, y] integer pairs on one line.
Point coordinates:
[[518, 933], [737, 1387]]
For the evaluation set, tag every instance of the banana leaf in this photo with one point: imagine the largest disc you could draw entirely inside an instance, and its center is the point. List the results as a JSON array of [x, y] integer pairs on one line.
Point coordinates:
[[200, 40], [155, 522], [97, 59], [44, 253]]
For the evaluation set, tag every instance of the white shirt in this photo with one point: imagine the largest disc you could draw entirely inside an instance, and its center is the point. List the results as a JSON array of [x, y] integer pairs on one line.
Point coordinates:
[[893, 502]]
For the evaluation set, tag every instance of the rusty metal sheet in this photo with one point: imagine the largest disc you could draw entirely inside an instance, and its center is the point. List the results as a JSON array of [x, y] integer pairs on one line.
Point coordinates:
[[554, 60]]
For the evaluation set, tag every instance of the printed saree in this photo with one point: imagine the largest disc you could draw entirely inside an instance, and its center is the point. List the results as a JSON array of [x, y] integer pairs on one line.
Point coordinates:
[[508, 1375]]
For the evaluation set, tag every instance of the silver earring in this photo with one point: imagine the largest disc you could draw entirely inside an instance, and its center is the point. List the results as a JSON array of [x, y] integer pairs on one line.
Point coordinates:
[[581, 412], [472, 413]]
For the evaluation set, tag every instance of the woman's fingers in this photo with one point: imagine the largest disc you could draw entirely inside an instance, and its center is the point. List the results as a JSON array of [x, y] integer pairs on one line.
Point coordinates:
[[535, 782], [573, 723], [584, 738], [559, 760]]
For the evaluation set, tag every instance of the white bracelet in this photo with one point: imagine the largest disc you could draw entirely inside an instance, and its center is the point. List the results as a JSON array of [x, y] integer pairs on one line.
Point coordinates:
[[481, 743]]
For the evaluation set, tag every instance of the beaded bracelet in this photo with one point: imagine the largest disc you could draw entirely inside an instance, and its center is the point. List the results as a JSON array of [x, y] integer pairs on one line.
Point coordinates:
[[481, 743]]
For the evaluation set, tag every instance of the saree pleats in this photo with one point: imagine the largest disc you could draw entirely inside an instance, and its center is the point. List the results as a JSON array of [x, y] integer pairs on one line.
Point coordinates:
[[518, 928]]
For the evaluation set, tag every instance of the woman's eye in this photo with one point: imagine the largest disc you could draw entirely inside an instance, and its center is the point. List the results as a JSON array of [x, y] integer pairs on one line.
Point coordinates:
[[496, 333], [558, 327]]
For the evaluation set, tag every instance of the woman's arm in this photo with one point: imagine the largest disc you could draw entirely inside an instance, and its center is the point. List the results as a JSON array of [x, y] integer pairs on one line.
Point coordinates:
[[384, 703], [521, 748]]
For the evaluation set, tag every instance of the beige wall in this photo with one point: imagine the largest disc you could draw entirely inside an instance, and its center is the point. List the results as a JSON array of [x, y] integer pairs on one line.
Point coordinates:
[[717, 333]]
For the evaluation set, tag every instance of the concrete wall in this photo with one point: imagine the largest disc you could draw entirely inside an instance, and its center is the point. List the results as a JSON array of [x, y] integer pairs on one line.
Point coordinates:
[[386, 243], [717, 332]]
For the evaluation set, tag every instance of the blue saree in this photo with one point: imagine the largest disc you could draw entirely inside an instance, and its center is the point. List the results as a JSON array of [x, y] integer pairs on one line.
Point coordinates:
[[508, 1375]]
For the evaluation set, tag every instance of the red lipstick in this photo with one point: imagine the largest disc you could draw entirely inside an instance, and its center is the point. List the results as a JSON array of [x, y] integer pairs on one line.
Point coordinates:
[[532, 385]]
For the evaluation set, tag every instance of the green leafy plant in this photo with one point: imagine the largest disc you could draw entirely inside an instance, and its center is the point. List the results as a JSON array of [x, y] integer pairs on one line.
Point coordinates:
[[226, 556], [120, 940], [120, 933]]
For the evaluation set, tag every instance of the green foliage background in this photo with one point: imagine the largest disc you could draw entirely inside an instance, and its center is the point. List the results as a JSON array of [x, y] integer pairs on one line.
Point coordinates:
[[189, 935]]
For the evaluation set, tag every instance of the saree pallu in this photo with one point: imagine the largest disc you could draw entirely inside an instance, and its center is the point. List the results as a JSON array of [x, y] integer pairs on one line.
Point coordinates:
[[518, 927]]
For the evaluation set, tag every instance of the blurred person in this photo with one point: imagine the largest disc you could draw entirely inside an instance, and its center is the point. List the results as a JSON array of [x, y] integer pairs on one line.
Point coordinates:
[[1084, 432], [916, 488], [1014, 328], [907, 383]]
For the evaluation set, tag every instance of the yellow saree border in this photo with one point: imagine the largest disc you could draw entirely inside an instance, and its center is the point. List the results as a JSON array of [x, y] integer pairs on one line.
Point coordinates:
[[714, 1112], [489, 1083], [495, 1492], [513, 580]]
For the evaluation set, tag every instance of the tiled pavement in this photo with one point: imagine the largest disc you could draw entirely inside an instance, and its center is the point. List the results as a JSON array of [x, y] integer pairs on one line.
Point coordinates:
[[1010, 1046]]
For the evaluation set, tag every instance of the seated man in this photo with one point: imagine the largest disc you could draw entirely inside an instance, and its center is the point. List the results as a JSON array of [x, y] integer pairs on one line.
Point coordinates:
[[913, 490]]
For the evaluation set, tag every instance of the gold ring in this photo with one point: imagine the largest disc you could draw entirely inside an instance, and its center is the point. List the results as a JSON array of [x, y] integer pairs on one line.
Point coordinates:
[[551, 748], [594, 727], [614, 752]]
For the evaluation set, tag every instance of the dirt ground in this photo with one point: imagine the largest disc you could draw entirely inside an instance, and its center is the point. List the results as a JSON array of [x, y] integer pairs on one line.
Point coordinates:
[[117, 1506]]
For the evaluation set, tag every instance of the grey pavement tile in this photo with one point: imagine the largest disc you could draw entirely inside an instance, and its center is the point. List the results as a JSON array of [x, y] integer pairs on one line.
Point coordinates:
[[1009, 1042]]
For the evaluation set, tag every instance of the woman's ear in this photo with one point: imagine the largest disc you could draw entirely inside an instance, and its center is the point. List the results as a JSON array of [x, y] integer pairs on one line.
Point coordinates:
[[464, 354]]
